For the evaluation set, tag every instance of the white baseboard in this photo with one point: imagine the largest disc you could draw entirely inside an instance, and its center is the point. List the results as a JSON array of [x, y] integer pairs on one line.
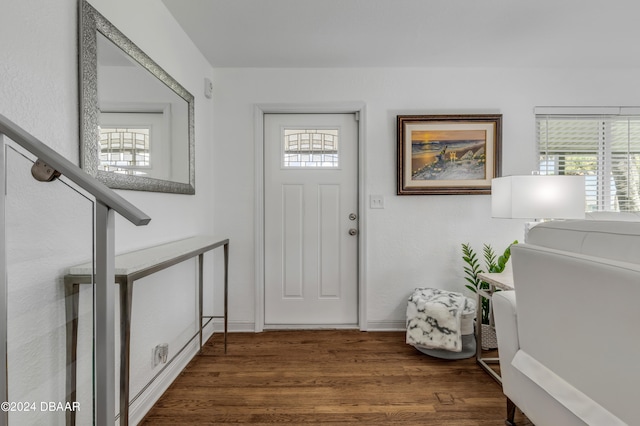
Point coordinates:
[[234, 327], [311, 327], [249, 327], [390, 325]]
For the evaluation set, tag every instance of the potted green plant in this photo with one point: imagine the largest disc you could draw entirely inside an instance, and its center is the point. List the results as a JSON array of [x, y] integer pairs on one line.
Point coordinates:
[[493, 264]]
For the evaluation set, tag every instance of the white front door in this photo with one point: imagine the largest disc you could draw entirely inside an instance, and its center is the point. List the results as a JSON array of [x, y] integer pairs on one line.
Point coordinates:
[[311, 223]]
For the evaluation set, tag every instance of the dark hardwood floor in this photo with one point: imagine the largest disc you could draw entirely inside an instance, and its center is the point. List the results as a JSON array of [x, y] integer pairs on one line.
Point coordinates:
[[328, 377]]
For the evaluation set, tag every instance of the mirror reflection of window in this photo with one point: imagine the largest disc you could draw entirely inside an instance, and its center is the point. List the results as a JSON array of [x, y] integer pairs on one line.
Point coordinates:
[[135, 143], [124, 150]]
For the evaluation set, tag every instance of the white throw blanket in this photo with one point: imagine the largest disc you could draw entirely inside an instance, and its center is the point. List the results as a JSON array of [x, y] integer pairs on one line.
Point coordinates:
[[433, 319]]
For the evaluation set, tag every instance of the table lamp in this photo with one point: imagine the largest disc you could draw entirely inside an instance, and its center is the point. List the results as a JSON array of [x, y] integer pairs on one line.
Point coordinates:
[[538, 197]]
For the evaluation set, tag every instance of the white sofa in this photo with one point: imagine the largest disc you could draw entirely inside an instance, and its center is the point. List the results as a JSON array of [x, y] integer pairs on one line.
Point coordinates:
[[570, 348]]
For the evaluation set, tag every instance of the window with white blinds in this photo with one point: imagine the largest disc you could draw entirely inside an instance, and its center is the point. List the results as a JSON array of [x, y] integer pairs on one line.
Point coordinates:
[[605, 148]]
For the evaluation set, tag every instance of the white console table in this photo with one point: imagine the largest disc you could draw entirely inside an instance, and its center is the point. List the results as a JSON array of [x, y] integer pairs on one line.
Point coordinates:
[[501, 281], [130, 267]]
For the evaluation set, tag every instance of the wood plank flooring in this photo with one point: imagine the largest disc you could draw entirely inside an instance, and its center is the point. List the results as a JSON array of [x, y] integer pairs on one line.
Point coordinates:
[[328, 377]]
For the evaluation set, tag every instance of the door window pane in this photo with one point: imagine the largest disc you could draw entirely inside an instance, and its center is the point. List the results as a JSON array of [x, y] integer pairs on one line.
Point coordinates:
[[310, 148]]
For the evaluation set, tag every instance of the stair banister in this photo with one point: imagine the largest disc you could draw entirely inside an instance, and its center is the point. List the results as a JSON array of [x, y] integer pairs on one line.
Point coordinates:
[[99, 190], [107, 201]]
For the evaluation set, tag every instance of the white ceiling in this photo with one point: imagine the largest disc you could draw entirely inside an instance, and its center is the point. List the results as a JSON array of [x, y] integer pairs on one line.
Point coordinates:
[[413, 33]]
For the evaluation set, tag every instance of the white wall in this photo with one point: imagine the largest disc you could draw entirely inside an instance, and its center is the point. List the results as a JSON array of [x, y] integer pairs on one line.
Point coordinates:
[[39, 91], [415, 240]]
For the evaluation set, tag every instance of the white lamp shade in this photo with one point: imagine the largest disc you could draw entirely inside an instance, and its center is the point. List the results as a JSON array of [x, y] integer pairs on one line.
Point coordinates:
[[538, 197]]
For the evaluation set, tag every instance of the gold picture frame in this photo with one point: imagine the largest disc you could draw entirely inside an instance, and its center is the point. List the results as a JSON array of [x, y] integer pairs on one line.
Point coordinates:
[[448, 154]]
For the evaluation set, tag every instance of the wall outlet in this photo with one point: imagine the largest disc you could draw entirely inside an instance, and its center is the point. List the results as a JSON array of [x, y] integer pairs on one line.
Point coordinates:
[[376, 202], [160, 353]]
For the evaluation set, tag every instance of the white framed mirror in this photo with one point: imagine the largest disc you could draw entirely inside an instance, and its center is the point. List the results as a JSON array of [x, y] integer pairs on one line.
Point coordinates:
[[137, 122]]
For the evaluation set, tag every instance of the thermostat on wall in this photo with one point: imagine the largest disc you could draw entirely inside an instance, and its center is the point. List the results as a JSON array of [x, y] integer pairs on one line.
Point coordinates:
[[208, 88]]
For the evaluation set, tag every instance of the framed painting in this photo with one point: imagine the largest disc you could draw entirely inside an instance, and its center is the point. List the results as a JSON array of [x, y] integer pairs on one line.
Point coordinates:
[[448, 154]]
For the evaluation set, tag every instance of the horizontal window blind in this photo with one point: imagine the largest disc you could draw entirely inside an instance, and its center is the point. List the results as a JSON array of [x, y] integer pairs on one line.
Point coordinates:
[[605, 148]]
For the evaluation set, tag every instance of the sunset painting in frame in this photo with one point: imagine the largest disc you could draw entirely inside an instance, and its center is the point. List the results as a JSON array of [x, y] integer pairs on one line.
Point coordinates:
[[448, 154]]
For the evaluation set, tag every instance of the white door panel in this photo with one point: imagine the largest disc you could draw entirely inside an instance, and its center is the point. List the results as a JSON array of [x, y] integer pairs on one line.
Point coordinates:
[[310, 191]]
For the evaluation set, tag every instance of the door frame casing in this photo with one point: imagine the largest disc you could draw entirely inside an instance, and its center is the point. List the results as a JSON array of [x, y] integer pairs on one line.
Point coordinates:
[[260, 110]]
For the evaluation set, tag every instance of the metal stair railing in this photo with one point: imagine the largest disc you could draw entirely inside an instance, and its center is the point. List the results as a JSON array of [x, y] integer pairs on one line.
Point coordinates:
[[49, 166]]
